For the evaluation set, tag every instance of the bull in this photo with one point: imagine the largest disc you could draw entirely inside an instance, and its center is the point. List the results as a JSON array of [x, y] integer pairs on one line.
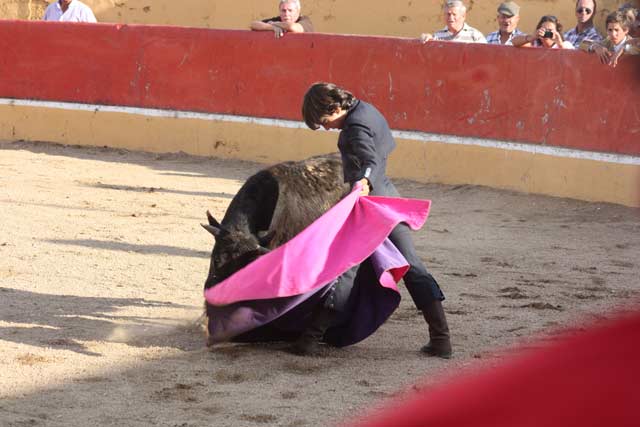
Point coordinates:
[[270, 208]]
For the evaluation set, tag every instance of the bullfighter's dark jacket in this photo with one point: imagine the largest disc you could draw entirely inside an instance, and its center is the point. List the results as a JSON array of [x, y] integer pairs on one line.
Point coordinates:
[[365, 144]]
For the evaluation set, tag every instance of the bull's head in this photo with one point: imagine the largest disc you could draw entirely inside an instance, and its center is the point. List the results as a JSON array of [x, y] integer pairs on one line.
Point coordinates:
[[233, 250]]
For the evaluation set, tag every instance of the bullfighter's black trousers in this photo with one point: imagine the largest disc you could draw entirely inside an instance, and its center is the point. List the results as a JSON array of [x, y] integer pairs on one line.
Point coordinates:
[[337, 298], [421, 285]]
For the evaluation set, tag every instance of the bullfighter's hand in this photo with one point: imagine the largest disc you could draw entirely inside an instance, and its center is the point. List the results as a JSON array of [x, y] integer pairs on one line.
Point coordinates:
[[365, 189]]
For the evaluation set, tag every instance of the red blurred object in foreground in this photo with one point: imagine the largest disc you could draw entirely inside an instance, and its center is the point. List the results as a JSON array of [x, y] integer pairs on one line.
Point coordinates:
[[590, 378]]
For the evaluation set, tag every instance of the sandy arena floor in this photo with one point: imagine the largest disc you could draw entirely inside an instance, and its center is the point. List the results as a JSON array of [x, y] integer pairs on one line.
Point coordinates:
[[102, 262]]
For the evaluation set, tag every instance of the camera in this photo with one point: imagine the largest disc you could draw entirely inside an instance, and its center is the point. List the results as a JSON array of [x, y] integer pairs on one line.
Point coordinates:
[[548, 34]]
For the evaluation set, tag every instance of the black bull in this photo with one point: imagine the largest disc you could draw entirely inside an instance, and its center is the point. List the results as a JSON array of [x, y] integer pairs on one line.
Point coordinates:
[[270, 208]]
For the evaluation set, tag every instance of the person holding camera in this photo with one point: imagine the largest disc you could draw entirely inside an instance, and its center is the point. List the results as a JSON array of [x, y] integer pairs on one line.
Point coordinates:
[[548, 35]]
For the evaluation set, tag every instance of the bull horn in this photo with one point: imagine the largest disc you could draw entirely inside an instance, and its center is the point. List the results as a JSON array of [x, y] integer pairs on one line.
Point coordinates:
[[216, 231], [212, 220]]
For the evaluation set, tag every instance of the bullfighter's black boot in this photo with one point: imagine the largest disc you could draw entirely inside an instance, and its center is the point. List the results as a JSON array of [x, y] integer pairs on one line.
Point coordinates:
[[439, 343], [326, 314], [308, 344]]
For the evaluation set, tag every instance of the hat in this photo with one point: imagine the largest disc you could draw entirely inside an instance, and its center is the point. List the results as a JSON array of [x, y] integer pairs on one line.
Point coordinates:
[[509, 8]]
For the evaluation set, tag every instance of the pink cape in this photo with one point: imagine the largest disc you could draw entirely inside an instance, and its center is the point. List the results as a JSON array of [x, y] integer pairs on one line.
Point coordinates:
[[589, 379], [343, 237]]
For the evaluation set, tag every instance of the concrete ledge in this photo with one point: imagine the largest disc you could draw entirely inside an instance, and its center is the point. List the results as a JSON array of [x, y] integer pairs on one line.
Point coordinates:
[[564, 173]]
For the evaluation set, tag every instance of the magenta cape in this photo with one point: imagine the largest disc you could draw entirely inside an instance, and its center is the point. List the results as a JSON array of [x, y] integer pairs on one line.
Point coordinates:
[[343, 237], [589, 379], [299, 271]]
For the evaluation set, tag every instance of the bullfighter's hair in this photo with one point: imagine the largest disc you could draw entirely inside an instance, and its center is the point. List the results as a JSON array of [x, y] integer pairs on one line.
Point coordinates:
[[323, 99]]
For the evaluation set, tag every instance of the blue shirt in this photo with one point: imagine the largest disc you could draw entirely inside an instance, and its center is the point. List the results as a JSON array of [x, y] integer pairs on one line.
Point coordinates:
[[575, 38]]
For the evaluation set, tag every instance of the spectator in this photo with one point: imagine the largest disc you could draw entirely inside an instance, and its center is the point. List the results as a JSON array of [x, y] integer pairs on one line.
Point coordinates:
[[584, 30], [508, 18], [617, 42], [548, 35], [634, 16], [288, 21], [457, 30], [69, 11]]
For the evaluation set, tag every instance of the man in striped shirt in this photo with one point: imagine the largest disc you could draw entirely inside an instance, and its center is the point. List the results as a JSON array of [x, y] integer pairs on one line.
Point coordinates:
[[457, 30], [508, 18]]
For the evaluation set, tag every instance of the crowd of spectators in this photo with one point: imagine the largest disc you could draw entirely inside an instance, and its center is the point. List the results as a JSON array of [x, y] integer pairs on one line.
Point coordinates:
[[622, 26]]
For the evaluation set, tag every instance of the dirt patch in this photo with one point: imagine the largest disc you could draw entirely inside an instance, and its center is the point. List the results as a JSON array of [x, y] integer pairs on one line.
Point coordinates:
[[102, 263]]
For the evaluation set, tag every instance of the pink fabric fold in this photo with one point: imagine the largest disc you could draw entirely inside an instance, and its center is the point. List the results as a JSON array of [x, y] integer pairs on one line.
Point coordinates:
[[343, 237]]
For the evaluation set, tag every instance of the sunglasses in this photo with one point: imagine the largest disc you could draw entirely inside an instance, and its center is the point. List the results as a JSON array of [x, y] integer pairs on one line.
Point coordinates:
[[584, 10]]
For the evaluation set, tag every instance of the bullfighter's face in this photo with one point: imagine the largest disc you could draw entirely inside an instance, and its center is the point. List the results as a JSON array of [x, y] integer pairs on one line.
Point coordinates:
[[334, 120]]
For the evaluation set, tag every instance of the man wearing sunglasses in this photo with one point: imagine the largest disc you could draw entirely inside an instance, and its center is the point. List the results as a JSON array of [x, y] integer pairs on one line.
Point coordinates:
[[584, 30]]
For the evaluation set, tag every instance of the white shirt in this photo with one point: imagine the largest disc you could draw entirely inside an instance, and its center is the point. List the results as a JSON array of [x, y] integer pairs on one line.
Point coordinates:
[[621, 45], [76, 12]]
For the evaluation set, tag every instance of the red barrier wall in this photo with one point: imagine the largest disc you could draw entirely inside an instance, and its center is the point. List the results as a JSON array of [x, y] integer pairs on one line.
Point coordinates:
[[551, 97]]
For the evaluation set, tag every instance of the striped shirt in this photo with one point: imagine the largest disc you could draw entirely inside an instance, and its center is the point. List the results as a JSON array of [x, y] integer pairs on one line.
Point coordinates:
[[466, 35], [494, 38], [575, 38]]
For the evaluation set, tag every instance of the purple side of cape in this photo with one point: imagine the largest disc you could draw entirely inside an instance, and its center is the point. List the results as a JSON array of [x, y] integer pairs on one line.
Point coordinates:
[[283, 319], [272, 298]]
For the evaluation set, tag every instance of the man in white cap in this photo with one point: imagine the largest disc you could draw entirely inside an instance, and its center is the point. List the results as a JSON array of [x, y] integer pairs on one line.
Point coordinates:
[[457, 30], [508, 18], [69, 11]]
